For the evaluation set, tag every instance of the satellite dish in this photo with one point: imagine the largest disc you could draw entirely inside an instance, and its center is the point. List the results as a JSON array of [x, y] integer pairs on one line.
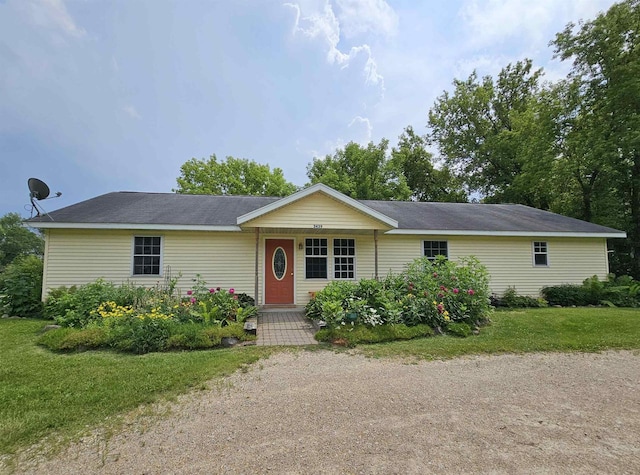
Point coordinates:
[[38, 189]]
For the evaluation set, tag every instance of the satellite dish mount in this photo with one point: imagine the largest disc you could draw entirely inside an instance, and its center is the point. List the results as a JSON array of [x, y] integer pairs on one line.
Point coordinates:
[[39, 191]]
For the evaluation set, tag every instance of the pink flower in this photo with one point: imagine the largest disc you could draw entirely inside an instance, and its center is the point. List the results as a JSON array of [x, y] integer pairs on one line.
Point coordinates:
[[442, 287], [193, 300], [231, 290], [455, 291], [440, 308], [211, 291], [235, 297], [189, 292], [435, 274], [471, 291]]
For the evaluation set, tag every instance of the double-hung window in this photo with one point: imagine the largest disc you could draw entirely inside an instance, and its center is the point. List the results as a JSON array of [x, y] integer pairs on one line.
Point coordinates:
[[344, 258], [147, 255], [315, 252], [431, 249], [540, 253]]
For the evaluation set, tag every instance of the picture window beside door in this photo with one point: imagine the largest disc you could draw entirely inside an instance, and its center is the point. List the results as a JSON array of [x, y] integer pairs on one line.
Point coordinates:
[[316, 251]]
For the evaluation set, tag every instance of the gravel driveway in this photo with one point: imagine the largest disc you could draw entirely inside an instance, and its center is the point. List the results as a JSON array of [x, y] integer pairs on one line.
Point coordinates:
[[325, 412]]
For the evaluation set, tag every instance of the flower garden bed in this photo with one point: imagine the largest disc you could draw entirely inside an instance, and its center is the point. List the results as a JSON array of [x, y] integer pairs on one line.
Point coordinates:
[[429, 297], [141, 320]]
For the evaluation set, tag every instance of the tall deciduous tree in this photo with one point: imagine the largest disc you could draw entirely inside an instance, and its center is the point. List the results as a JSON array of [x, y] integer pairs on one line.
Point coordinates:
[[16, 240], [474, 130], [232, 176], [426, 182], [606, 63], [361, 172]]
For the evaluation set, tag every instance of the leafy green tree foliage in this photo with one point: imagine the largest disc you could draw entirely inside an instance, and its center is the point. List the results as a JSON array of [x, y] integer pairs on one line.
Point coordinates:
[[16, 240], [361, 172], [606, 65], [426, 182], [21, 287], [473, 128], [232, 176]]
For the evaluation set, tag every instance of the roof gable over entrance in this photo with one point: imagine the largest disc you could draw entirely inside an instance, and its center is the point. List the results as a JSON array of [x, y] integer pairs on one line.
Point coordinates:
[[317, 207]]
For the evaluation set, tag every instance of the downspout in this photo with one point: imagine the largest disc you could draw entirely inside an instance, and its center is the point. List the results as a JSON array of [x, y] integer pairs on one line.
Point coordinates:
[[257, 262], [375, 247]]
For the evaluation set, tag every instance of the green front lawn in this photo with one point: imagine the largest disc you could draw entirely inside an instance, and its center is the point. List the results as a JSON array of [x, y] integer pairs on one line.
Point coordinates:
[[44, 393], [520, 331]]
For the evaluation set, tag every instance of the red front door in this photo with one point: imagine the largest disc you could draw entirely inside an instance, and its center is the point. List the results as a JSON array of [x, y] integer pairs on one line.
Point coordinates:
[[278, 271]]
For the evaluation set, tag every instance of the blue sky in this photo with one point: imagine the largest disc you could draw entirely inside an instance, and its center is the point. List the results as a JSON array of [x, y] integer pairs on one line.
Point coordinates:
[[100, 96]]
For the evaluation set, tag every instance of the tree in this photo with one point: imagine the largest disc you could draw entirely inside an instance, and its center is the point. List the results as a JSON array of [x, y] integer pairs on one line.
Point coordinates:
[[16, 240], [361, 172], [474, 131], [426, 182], [606, 65], [232, 176]]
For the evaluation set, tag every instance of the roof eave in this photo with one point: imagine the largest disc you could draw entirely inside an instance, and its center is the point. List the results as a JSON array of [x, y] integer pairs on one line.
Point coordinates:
[[137, 226], [457, 232]]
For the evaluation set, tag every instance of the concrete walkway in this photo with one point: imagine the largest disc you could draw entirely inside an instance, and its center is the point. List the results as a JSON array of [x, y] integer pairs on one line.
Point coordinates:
[[284, 327]]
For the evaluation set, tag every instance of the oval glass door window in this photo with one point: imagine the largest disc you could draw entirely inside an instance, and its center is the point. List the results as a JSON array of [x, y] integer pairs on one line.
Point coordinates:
[[279, 263]]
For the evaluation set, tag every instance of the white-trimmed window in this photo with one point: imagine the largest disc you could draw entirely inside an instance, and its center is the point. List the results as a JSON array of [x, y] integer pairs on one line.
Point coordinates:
[[540, 253], [316, 251], [431, 249], [344, 258], [147, 255]]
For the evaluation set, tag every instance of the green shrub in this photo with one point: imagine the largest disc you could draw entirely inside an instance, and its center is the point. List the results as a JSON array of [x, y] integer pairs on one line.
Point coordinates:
[[72, 339], [21, 287], [460, 329], [511, 299], [567, 295], [352, 335]]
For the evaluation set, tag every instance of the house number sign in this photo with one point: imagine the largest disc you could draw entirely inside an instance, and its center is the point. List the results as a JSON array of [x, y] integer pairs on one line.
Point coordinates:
[[317, 226]]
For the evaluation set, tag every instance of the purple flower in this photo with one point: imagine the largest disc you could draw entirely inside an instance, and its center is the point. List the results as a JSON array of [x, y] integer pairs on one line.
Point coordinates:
[[189, 292], [193, 300], [231, 290], [217, 289], [455, 291], [211, 291]]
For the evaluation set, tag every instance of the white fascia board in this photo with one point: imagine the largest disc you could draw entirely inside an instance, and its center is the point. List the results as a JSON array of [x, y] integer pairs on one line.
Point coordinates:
[[154, 227], [444, 232], [318, 187]]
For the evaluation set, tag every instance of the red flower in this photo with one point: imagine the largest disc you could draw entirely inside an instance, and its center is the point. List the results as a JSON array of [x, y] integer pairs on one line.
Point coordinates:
[[211, 291], [218, 289], [189, 292], [471, 292], [455, 291], [440, 308], [442, 287]]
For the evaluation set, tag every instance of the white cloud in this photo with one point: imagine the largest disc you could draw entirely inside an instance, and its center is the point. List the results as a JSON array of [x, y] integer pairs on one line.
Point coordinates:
[[494, 21], [131, 112], [362, 16], [324, 26], [359, 122], [52, 14]]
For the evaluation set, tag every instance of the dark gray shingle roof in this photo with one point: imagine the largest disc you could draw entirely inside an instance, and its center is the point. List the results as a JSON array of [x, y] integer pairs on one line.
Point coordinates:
[[208, 210]]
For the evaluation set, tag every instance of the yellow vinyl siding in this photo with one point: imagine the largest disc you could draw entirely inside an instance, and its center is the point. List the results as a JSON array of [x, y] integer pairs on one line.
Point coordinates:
[[509, 260], [227, 259], [316, 209], [76, 257]]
